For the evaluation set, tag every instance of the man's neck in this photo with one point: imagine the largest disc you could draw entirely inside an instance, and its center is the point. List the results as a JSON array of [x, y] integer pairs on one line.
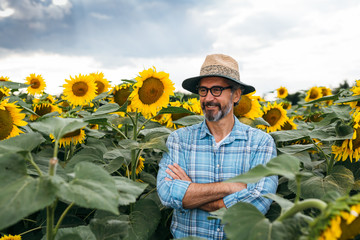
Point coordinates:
[[221, 128]]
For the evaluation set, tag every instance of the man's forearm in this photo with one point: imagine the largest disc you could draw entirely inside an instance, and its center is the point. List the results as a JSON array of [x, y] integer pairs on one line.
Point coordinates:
[[213, 206], [199, 194]]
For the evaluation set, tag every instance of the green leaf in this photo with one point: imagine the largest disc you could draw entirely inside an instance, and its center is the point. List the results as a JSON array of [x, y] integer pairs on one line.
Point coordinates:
[[76, 233], [128, 189], [155, 132], [296, 148], [57, 126], [289, 135], [283, 165], [92, 155], [107, 108], [13, 85], [92, 187], [155, 143], [326, 98], [143, 220], [21, 195], [21, 143], [283, 202], [348, 99], [340, 180], [260, 121], [244, 221], [190, 120], [174, 110], [110, 227]]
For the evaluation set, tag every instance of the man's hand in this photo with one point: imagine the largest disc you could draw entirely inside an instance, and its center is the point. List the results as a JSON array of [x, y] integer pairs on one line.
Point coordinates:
[[176, 172]]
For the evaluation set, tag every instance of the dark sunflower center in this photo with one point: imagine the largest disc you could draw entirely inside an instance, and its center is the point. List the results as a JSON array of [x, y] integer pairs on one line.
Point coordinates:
[[35, 83], [151, 90], [43, 109], [80, 89], [243, 107], [100, 87], [356, 141], [72, 134], [282, 91], [314, 94], [272, 116], [121, 95], [6, 124]]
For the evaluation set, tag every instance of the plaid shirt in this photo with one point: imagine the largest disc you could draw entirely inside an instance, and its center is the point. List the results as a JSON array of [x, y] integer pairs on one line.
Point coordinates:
[[194, 149]]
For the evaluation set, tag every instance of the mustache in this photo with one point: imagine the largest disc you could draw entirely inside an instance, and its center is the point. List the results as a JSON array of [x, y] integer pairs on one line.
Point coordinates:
[[210, 104]]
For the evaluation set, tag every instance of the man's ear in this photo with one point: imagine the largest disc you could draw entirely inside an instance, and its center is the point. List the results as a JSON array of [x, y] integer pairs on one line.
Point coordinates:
[[237, 95]]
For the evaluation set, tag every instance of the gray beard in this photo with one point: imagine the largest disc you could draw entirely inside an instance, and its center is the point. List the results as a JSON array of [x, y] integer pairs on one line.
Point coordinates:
[[219, 115]]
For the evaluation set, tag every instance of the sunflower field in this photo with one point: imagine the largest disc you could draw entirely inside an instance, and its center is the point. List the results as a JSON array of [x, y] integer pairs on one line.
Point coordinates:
[[83, 165]]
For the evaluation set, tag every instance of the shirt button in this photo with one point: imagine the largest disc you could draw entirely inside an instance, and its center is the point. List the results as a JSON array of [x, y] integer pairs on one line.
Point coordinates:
[[218, 166], [218, 229]]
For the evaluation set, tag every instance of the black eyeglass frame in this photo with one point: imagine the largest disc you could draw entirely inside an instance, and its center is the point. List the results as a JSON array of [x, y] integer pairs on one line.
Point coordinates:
[[211, 90]]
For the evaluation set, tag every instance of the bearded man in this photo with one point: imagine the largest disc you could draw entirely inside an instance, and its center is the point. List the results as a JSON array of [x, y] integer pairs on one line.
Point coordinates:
[[201, 157]]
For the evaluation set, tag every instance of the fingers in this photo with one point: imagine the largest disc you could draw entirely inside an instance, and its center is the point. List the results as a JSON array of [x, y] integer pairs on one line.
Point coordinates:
[[176, 172]]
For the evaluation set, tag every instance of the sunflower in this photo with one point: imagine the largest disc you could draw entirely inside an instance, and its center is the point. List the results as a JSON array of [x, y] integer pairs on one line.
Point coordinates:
[[139, 167], [37, 84], [10, 119], [74, 137], [4, 79], [102, 83], [313, 94], [4, 92], [356, 91], [289, 124], [170, 118], [80, 90], [43, 108], [340, 220], [121, 94], [11, 237], [248, 107], [282, 92], [349, 148], [151, 91], [193, 104], [275, 115]]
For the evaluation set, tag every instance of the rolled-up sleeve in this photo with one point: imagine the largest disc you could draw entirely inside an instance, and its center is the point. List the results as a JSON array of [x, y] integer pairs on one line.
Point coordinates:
[[171, 193], [254, 192]]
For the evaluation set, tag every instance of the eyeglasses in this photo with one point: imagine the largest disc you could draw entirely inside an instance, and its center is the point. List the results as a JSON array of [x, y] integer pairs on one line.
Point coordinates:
[[216, 91]]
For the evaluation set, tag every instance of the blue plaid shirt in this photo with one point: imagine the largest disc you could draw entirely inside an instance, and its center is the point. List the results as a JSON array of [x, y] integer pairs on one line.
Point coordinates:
[[194, 149]]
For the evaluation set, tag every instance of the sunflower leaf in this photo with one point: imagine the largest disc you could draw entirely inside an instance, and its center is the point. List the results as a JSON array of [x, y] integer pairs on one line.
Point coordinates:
[[57, 126], [92, 187], [13, 85], [284, 165], [21, 143], [174, 110], [128, 189], [143, 219], [190, 120], [21, 195], [107, 108]]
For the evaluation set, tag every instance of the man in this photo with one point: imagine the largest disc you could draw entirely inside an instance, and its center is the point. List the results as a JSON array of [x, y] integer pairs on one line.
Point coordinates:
[[201, 157]]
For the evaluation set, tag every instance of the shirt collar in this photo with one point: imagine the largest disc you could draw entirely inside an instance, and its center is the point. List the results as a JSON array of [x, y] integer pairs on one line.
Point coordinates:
[[238, 132]]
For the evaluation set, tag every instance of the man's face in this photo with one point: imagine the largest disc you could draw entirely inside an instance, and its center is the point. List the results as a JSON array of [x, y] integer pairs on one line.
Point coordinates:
[[216, 108]]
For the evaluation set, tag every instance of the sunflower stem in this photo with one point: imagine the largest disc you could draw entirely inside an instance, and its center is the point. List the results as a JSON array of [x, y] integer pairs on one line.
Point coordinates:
[[331, 164], [50, 214], [308, 203], [118, 130], [31, 160], [298, 187], [320, 150], [62, 217]]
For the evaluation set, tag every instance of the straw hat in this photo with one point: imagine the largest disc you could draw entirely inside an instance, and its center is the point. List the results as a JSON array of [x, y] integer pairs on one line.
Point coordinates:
[[217, 65]]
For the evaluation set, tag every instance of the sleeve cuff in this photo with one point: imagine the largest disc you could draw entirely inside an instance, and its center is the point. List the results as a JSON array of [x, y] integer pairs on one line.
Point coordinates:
[[177, 191], [233, 198]]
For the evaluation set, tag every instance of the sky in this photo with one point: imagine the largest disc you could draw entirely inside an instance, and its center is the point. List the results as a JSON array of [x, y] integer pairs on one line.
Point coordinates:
[[296, 44]]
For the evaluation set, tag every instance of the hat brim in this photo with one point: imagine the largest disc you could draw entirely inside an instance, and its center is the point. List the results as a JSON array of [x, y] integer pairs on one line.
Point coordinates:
[[191, 84]]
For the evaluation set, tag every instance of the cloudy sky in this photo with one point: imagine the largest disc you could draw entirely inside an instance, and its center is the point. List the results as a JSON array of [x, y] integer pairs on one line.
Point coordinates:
[[296, 44]]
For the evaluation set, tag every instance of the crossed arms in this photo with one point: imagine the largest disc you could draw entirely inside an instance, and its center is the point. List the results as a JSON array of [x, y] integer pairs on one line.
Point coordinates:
[[206, 196]]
